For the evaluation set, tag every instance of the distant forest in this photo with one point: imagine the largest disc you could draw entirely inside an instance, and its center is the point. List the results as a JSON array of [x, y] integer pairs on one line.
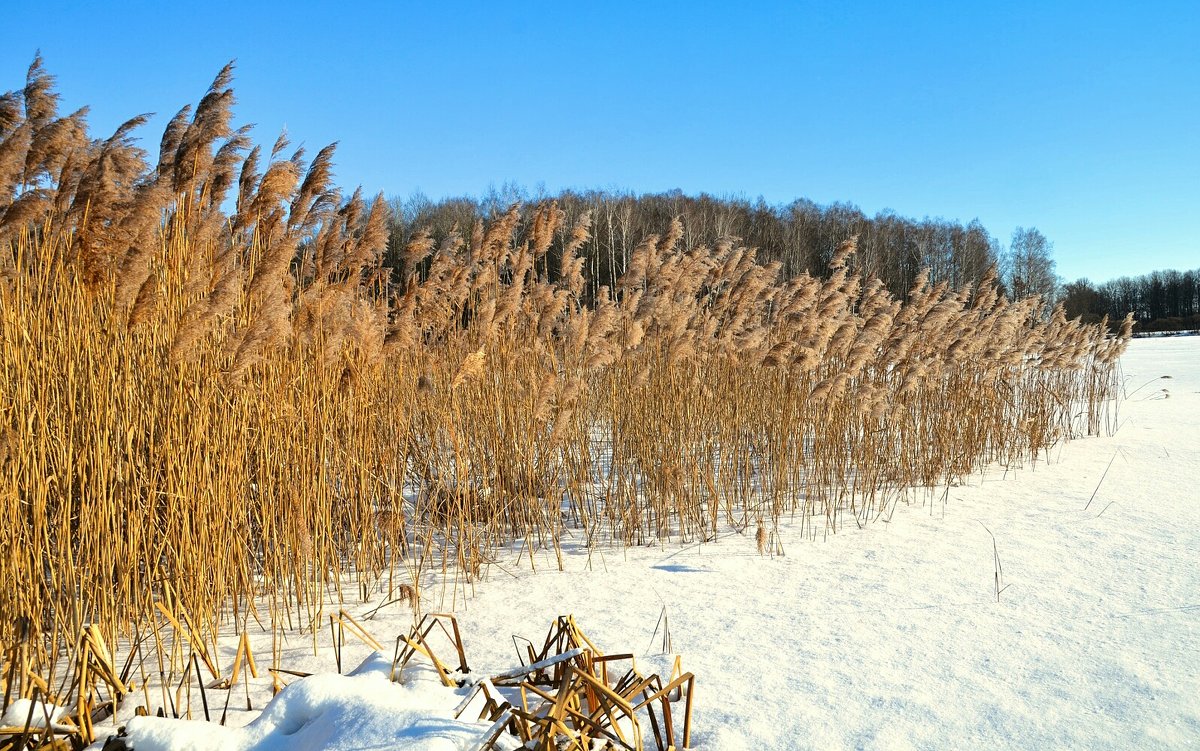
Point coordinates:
[[802, 237], [1160, 301]]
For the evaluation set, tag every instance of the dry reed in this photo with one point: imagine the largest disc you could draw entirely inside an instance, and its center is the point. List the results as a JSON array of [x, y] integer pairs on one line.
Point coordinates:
[[211, 418]]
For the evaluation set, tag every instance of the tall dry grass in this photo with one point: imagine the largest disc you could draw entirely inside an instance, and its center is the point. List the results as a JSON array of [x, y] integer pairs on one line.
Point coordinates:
[[211, 417]]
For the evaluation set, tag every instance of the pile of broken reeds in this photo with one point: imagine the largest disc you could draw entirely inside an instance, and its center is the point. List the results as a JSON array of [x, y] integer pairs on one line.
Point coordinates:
[[573, 696], [565, 694]]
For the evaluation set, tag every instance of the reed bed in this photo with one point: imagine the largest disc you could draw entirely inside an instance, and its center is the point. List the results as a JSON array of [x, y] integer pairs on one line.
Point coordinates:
[[218, 405]]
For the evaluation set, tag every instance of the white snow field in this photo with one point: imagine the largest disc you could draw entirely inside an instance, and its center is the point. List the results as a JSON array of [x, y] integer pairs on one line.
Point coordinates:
[[888, 637]]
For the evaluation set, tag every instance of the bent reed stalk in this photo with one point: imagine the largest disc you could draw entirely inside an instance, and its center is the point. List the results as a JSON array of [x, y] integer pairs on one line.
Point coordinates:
[[210, 416]]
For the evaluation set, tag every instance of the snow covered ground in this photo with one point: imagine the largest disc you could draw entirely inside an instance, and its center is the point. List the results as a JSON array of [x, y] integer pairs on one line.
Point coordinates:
[[888, 637]]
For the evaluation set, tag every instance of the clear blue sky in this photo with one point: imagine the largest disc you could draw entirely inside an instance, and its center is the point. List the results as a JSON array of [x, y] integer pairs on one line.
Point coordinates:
[[1079, 118]]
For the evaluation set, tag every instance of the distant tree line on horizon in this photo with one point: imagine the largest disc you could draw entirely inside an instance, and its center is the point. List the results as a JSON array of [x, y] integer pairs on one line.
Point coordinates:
[[801, 236], [1165, 300]]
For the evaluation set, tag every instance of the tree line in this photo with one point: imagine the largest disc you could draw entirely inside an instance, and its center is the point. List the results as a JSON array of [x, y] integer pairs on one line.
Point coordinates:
[[1160, 301], [800, 236]]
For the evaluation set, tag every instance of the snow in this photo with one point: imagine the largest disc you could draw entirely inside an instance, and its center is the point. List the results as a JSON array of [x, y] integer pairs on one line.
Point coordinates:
[[19, 714], [891, 636], [362, 710]]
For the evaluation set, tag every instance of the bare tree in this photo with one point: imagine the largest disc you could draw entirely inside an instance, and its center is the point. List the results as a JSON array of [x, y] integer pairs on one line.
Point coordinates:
[[1029, 267]]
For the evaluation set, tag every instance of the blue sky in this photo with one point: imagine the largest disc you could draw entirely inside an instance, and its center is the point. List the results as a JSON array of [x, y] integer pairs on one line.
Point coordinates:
[[1082, 119]]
